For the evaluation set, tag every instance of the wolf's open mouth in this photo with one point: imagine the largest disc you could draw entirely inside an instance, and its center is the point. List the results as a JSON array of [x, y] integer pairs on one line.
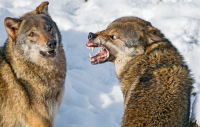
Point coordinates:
[[50, 53], [101, 56]]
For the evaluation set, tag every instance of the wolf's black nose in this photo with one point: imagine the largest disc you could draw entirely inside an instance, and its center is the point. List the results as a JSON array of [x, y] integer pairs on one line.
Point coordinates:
[[51, 44], [91, 35]]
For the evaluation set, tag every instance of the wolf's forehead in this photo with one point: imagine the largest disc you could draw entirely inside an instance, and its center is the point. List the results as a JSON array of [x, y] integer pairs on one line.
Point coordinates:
[[37, 22], [124, 27], [131, 19]]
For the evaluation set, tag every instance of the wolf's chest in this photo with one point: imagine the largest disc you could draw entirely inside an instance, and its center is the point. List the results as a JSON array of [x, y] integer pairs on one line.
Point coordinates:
[[52, 108]]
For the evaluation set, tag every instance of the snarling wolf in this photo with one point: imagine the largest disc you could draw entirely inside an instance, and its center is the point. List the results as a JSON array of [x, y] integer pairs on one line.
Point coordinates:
[[32, 70], [155, 81]]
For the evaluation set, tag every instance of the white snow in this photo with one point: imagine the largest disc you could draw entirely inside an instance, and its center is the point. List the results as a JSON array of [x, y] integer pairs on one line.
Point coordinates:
[[93, 97], [195, 109]]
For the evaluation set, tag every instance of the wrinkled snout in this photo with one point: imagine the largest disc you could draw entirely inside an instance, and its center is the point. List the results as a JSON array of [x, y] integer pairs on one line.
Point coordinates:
[[51, 44]]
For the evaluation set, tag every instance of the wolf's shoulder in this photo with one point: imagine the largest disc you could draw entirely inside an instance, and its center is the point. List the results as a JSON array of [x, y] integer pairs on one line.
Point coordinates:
[[1, 54]]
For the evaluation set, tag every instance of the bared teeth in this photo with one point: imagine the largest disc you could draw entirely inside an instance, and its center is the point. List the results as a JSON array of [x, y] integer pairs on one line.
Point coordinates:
[[90, 55], [93, 48], [92, 59], [101, 55]]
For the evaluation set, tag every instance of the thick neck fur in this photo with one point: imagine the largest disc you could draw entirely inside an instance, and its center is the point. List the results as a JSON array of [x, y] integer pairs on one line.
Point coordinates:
[[120, 63], [155, 55]]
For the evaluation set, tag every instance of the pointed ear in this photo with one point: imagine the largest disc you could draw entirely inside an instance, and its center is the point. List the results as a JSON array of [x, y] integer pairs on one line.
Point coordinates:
[[43, 8], [154, 35], [12, 26]]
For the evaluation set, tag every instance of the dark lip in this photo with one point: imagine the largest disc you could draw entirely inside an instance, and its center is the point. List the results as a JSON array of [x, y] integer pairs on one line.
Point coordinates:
[[95, 63], [90, 43], [50, 53]]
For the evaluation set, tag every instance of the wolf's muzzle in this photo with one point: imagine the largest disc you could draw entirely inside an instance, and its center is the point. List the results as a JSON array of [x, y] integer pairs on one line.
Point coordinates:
[[51, 44]]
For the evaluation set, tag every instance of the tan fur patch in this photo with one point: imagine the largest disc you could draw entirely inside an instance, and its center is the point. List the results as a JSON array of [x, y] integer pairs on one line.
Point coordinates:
[[43, 38]]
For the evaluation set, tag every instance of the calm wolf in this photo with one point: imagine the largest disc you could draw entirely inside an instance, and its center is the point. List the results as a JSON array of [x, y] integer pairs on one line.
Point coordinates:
[[32, 70], [155, 81]]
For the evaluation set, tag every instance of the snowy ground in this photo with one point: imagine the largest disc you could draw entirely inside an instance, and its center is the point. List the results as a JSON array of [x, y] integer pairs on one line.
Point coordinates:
[[93, 97]]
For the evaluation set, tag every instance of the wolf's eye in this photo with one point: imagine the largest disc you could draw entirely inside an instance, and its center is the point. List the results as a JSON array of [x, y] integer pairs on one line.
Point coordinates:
[[153, 32], [31, 34], [113, 37], [49, 29]]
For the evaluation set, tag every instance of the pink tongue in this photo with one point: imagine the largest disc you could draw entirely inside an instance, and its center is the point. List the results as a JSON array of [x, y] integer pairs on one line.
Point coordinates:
[[103, 52]]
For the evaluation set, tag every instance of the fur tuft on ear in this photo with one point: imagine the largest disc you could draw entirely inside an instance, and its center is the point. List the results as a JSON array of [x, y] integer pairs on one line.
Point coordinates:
[[43, 8], [12, 26]]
